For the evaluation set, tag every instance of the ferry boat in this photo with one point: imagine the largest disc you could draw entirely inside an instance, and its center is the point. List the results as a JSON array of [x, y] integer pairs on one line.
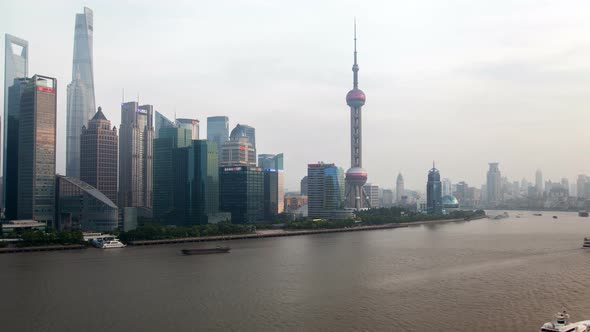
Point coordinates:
[[586, 242], [107, 242], [204, 251], [114, 243], [583, 214], [561, 323]]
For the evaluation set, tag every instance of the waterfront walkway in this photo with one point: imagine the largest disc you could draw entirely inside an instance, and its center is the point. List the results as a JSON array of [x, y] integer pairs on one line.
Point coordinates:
[[281, 233], [41, 248]]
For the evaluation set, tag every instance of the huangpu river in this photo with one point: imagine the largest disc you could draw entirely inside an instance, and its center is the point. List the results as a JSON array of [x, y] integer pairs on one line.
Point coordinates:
[[485, 275]]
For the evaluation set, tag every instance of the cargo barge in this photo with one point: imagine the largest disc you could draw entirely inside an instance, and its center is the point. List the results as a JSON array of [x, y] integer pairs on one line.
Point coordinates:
[[205, 251]]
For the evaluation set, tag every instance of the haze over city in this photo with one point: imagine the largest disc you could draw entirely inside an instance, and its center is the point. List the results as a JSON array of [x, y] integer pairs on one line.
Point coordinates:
[[463, 85]]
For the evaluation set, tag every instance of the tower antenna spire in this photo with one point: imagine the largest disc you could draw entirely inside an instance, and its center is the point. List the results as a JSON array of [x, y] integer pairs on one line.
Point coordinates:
[[355, 66]]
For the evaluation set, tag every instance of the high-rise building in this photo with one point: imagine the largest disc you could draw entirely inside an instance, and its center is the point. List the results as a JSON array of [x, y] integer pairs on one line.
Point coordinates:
[[325, 189], [400, 190], [161, 121], [80, 104], [241, 193], [16, 69], [434, 192], [36, 157], [218, 131], [565, 185], [195, 191], [524, 186], [356, 176], [447, 187], [239, 149], [164, 169], [387, 198], [274, 196], [303, 185], [99, 155], [539, 182], [81, 206], [204, 184], [580, 185], [136, 155], [192, 124], [272, 161], [11, 149], [16, 63], [245, 131], [372, 191], [573, 190], [462, 193], [494, 185]]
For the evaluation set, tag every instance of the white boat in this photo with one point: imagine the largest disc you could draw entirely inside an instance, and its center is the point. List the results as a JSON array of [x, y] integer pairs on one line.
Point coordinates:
[[561, 323], [114, 243]]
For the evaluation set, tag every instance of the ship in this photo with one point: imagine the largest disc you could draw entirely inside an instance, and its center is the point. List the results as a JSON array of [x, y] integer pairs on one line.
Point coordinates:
[[586, 242], [583, 213], [561, 323], [205, 251]]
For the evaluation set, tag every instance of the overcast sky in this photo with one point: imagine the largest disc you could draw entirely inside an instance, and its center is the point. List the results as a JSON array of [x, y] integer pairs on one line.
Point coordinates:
[[461, 82]]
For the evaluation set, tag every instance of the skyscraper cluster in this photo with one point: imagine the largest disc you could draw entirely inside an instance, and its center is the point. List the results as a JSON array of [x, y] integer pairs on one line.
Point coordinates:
[[149, 166]]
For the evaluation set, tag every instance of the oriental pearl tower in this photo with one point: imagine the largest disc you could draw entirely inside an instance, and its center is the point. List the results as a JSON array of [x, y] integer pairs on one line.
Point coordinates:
[[356, 176]]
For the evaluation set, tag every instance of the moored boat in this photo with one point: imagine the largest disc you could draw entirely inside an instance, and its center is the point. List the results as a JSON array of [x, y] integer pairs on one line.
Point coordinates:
[[114, 243], [561, 323], [205, 251]]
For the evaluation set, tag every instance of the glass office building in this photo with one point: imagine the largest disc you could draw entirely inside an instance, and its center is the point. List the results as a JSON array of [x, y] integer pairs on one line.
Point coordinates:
[[241, 193], [36, 158], [218, 131], [16, 71], [325, 190], [169, 139], [80, 104]]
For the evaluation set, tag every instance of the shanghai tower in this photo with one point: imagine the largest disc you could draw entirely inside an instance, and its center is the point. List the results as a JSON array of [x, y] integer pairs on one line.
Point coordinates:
[[356, 176], [80, 104]]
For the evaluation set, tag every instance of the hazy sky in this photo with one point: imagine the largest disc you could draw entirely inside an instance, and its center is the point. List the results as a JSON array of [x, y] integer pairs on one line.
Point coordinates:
[[462, 82]]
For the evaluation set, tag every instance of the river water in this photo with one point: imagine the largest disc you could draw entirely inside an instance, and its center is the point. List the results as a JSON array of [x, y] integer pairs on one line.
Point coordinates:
[[485, 275]]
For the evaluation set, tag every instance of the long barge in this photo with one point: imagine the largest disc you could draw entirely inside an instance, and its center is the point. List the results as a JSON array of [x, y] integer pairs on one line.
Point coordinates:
[[206, 251]]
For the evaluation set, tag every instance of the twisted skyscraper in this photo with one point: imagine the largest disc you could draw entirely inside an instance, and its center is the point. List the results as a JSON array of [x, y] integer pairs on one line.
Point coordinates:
[[356, 176], [80, 104]]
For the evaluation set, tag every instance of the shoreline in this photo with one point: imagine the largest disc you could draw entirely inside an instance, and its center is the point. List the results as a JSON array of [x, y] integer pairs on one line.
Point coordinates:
[[13, 250], [283, 233]]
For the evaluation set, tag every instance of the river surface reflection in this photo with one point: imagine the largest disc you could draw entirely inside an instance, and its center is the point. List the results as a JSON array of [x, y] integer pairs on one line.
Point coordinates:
[[485, 275]]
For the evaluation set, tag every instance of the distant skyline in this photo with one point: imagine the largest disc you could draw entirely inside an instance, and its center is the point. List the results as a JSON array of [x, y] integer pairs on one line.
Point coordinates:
[[465, 84]]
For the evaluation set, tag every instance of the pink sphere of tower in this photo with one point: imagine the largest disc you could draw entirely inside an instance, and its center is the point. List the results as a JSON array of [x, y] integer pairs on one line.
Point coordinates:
[[355, 98], [356, 176]]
